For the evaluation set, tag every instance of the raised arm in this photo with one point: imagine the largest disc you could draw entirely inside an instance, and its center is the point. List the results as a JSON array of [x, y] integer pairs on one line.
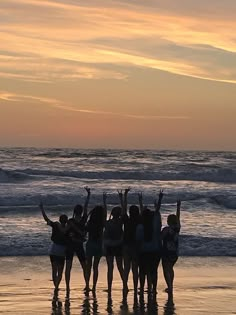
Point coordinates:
[[140, 199], [126, 199], [178, 210], [46, 218], [157, 204], [104, 197], [120, 195], [87, 200]]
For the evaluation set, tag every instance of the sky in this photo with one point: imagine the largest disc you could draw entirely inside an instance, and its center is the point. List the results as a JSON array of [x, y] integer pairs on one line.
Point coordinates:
[[118, 74]]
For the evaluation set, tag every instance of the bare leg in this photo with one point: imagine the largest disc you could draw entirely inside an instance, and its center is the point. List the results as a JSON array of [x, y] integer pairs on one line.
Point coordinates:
[[149, 281], [85, 272], [110, 267], [119, 263], [155, 274], [60, 269], [168, 274], [54, 273], [172, 275], [142, 274], [95, 272], [67, 274], [135, 275], [127, 263], [89, 267]]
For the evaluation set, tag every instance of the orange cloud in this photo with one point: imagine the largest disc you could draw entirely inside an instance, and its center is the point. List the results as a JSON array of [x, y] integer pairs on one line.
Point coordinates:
[[12, 97], [102, 34]]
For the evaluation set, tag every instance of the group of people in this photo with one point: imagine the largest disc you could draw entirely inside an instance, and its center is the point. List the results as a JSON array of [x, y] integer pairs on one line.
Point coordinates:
[[135, 239]]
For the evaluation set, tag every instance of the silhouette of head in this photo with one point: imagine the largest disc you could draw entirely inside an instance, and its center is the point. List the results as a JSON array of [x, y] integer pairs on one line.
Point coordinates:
[[97, 214], [116, 212], [147, 221], [134, 212], [172, 219], [78, 210], [63, 219]]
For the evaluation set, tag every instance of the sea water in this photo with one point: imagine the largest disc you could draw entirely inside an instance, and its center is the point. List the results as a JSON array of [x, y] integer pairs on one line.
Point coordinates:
[[204, 181]]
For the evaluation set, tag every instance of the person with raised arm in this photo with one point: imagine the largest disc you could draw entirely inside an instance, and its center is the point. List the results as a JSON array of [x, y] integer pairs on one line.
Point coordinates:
[[77, 236], [94, 246], [113, 241], [148, 235], [157, 223], [58, 248], [130, 249], [170, 240]]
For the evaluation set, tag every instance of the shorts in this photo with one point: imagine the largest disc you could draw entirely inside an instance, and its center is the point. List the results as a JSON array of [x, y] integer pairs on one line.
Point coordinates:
[[131, 251], [77, 249], [60, 260], [94, 248], [57, 250], [115, 251]]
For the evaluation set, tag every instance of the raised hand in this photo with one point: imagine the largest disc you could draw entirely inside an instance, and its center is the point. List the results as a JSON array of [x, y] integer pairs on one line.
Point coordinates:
[[127, 190], [87, 189], [157, 203], [161, 194], [120, 193], [46, 218]]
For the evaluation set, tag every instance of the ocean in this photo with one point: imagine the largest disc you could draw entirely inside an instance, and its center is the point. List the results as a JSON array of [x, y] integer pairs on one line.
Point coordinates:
[[204, 181]]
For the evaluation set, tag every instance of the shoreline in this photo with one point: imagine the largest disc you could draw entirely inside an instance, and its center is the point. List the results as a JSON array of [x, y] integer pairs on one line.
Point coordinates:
[[203, 285]]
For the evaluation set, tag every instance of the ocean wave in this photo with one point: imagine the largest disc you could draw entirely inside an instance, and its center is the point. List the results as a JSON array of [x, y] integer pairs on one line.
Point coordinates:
[[7, 176], [190, 245], [217, 175], [28, 200]]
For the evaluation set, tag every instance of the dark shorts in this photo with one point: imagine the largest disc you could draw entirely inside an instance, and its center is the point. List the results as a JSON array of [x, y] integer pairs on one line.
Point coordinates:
[[94, 249], [131, 251], [77, 249], [60, 260], [114, 251]]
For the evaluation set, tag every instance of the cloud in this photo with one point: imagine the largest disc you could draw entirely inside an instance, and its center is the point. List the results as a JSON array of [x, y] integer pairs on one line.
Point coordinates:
[[45, 41], [13, 97]]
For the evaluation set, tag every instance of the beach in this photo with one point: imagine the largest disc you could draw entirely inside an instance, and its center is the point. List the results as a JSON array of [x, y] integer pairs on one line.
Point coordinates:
[[204, 181], [203, 285]]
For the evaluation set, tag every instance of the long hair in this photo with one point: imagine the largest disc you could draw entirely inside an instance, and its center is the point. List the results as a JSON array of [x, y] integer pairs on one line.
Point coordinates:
[[147, 221], [96, 219], [116, 212], [78, 210]]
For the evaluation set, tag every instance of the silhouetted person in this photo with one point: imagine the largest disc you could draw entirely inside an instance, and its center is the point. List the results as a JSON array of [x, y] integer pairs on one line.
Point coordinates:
[[149, 237], [94, 245], [58, 247], [77, 234], [113, 240], [170, 239], [130, 248]]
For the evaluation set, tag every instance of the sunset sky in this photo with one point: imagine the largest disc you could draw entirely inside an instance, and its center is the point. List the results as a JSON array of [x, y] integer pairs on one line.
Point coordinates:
[[118, 74]]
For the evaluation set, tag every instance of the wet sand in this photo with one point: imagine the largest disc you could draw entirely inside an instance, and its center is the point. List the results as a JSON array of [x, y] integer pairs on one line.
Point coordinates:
[[202, 286]]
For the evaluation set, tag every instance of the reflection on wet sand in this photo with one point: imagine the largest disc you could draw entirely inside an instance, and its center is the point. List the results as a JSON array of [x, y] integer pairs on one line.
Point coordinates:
[[169, 308], [136, 305]]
